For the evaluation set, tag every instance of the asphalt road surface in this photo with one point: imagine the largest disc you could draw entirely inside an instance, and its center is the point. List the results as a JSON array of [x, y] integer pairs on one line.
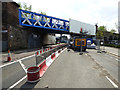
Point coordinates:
[[71, 70], [107, 61], [14, 72]]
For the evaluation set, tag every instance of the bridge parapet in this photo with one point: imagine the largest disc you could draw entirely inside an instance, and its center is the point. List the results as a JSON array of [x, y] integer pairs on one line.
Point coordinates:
[[27, 18]]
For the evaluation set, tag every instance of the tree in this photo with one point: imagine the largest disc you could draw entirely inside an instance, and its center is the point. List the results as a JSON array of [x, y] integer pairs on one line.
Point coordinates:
[[29, 8], [102, 28], [113, 31], [25, 6], [100, 32]]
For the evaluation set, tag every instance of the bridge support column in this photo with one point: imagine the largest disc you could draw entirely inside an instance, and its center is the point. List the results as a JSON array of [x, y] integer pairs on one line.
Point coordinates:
[[60, 37], [49, 39]]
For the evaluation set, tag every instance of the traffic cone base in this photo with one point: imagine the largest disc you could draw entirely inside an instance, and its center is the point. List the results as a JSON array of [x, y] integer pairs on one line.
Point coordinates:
[[9, 56], [9, 59]]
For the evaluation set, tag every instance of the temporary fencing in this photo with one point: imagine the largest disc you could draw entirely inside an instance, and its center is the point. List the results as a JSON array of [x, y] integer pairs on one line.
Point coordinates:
[[44, 58]]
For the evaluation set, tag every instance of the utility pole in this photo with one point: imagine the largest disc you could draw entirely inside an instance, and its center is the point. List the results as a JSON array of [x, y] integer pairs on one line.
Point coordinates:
[[9, 44], [81, 42]]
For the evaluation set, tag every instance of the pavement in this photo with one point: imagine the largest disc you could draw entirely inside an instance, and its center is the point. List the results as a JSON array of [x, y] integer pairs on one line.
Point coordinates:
[[71, 70], [18, 54]]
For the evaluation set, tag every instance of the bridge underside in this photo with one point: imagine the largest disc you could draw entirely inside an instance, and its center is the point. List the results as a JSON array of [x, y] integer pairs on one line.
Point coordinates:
[[43, 30]]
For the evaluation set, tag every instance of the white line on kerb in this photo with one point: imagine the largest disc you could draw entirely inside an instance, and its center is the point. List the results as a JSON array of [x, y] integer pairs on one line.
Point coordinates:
[[111, 82], [17, 83], [16, 61]]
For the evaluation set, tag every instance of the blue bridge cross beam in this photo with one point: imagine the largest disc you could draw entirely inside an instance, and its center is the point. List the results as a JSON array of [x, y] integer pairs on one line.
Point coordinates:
[[32, 19]]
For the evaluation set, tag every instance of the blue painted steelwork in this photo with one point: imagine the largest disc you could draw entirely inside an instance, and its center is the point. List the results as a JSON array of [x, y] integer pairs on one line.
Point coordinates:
[[27, 18]]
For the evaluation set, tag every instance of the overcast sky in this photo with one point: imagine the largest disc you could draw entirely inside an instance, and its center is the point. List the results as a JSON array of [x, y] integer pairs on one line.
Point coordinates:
[[103, 12]]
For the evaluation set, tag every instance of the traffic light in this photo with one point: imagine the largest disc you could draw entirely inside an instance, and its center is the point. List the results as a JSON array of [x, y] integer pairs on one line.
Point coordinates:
[[80, 30]]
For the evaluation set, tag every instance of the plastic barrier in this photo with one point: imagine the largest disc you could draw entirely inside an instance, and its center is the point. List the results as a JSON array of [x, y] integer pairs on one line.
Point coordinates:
[[53, 56], [49, 61], [43, 68], [39, 56], [33, 74], [45, 57], [59, 51]]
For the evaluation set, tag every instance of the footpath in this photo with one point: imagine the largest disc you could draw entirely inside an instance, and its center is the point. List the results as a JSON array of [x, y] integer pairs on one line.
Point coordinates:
[[18, 54]]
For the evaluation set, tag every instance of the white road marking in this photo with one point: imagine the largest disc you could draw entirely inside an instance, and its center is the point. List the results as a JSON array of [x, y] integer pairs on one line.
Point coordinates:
[[117, 59], [113, 57], [17, 83], [23, 66], [16, 61], [111, 82], [26, 57]]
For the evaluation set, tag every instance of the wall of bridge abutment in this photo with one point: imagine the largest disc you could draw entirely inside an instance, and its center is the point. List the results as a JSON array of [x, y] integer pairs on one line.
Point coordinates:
[[15, 36]]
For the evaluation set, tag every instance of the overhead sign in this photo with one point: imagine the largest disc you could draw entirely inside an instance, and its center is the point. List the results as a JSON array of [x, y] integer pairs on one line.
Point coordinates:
[[75, 27]]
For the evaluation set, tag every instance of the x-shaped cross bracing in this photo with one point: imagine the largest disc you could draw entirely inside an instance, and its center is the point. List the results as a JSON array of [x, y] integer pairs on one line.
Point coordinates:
[[26, 18], [67, 24], [47, 21], [55, 24], [61, 25], [37, 20]]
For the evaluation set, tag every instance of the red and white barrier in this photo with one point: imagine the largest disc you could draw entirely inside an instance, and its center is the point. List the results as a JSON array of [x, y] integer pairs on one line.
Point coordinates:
[[53, 56], [43, 68], [34, 73], [49, 60]]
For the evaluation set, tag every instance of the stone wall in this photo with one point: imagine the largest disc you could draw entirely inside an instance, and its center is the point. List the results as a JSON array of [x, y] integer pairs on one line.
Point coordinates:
[[18, 38], [10, 13]]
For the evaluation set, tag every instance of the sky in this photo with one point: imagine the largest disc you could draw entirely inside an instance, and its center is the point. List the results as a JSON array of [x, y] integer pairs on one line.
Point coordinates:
[[103, 12]]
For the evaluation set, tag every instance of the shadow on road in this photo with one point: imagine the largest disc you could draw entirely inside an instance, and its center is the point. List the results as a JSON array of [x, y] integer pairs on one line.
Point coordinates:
[[29, 86]]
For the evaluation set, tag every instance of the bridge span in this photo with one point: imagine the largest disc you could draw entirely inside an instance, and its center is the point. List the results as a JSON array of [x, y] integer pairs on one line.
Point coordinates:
[[31, 19]]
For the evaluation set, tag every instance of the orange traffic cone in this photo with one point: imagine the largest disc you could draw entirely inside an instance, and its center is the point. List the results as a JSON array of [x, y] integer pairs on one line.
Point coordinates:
[[9, 56]]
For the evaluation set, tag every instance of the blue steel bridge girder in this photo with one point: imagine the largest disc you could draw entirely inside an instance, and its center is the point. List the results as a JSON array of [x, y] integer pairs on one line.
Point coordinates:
[[31, 19]]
